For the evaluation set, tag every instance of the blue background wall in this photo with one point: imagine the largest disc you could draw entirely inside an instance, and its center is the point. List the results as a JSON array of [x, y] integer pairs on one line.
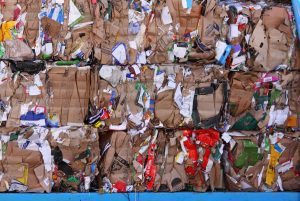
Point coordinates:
[[152, 196]]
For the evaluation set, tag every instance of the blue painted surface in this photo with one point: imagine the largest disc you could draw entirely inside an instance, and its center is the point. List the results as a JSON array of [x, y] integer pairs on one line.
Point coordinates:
[[296, 8], [224, 196]]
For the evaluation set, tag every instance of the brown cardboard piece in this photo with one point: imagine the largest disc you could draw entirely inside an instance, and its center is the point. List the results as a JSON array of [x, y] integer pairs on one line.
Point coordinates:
[[32, 21], [43, 178], [208, 22], [297, 55], [259, 42], [21, 97], [7, 89], [165, 110], [131, 96], [274, 17], [120, 149], [271, 39], [70, 87], [241, 92], [16, 162], [209, 105], [17, 50], [80, 140], [51, 27]]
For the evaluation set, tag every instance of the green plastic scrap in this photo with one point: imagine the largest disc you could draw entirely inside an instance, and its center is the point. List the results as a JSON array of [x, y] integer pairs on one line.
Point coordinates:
[[75, 13], [274, 95], [2, 50], [217, 154], [46, 56], [14, 32], [14, 136], [108, 11], [247, 123], [67, 63], [77, 21], [73, 179], [4, 148], [267, 144], [260, 101], [249, 156], [138, 85]]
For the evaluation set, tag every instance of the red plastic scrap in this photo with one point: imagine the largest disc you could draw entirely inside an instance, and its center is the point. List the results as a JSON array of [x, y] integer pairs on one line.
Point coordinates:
[[150, 167], [120, 186], [208, 138], [192, 150]]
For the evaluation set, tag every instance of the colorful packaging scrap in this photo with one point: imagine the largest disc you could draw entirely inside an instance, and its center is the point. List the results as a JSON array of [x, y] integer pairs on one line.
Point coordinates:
[[149, 95]]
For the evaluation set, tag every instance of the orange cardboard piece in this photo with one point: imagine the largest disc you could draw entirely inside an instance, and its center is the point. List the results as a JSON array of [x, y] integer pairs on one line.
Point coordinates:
[[292, 121]]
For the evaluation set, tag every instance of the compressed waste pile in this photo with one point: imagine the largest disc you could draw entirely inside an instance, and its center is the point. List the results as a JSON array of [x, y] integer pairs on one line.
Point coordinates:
[[149, 95]]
